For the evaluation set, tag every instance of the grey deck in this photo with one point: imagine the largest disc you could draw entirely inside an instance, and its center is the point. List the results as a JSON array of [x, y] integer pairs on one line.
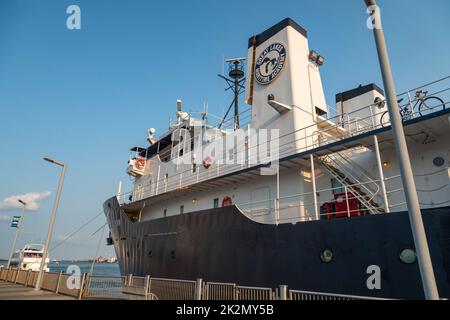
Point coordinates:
[[11, 291]]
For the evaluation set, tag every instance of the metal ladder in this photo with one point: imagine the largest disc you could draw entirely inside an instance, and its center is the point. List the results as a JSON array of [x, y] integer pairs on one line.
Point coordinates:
[[365, 191]]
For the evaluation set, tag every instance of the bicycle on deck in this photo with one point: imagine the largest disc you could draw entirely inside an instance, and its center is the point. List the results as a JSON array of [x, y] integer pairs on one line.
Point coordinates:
[[424, 105]]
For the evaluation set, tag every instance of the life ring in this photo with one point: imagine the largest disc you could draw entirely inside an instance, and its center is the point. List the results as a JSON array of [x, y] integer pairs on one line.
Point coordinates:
[[227, 202], [140, 163], [208, 162]]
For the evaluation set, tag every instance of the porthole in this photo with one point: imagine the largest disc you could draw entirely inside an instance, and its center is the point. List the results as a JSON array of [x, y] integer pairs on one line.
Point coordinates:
[[326, 256], [438, 161], [408, 256]]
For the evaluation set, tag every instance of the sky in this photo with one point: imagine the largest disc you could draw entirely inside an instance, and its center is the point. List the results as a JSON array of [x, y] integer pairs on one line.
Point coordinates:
[[85, 97]]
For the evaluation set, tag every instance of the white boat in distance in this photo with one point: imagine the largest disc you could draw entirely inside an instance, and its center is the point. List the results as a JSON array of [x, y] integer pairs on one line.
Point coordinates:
[[29, 258]]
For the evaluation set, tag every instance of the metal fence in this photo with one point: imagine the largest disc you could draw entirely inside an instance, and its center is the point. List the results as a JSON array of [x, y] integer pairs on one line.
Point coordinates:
[[105, 287], [313, 296], [51, 281], [146, 288], [169, 289], [220, 291]]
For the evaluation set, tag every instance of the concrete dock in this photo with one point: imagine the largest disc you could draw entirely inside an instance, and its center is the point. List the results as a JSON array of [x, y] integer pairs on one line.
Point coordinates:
[[11, 291]]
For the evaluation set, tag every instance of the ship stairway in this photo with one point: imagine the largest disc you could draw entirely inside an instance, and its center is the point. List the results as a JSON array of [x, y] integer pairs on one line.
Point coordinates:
[[355, 179]]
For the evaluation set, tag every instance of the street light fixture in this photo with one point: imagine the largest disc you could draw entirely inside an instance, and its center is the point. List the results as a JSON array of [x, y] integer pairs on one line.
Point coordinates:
[[52, 220], [409, 186], [16, 236]]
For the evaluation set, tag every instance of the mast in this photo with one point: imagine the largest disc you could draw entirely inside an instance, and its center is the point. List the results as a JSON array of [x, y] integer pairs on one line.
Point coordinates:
[[236, 73]]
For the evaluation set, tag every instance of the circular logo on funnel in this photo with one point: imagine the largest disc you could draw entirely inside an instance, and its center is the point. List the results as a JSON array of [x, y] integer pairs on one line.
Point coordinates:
[[270, 63]]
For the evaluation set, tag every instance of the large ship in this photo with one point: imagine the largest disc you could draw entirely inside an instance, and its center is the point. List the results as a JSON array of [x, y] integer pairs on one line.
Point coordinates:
[[290, 191]]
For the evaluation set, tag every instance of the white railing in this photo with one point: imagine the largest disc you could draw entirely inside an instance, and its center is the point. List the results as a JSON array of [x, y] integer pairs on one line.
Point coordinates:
[[263, 211], [308, 138]]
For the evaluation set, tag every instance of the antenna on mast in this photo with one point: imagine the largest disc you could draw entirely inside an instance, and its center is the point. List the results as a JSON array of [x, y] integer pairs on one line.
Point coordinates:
[[236, 73]]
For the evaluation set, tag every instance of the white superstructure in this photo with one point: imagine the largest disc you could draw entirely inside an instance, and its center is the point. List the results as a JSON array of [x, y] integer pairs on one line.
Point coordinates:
[[343, 156]]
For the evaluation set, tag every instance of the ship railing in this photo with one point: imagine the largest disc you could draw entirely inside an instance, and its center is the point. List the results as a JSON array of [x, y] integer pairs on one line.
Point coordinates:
[[303, 205], [423, 194], [214, 121], [300, 207], [362, 120]]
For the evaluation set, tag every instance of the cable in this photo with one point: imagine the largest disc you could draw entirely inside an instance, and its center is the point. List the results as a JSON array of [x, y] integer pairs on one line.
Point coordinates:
[[76, 231], [98, 247]]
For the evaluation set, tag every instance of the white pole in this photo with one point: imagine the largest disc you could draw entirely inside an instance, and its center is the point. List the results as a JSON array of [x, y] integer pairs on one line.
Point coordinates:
[[277, 204], [52, 221], [381, 174], [16, 236], [313, 180], [409, 186], [119, 189]]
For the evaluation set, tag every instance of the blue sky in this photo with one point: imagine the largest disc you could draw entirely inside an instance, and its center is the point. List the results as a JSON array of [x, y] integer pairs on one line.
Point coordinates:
[[86, 96]]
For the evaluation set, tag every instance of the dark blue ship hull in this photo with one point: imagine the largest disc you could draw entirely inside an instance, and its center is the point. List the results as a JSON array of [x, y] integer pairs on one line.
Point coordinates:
[[222, 245]]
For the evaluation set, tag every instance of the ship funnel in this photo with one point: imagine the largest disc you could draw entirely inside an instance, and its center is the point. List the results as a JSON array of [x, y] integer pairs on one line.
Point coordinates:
[[281, 65]]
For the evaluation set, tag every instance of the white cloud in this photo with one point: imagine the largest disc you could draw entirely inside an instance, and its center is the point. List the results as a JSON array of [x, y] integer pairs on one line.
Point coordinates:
[[32, 199], [4, 218]]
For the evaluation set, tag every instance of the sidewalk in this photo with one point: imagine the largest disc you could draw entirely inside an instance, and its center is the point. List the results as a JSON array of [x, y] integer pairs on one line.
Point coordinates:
[[11, 291]]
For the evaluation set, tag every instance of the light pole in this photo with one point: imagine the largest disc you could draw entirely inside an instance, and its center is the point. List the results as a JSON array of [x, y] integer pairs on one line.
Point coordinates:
[[52, 220], [409, 186], [17, 231]]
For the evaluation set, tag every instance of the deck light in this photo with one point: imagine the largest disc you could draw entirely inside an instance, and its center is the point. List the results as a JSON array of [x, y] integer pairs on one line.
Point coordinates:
[[320, 60], [316, 58], [313, 56]]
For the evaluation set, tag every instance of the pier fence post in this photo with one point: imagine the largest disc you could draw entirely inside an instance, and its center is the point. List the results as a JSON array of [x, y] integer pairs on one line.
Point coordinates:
[[147, 286], [198, 289], [9, 275], [82, 286], [28, 277], [58, 282], [17, 276], [283, 292]]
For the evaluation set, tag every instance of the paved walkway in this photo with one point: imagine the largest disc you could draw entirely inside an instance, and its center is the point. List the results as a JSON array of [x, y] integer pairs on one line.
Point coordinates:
[[11, 291]]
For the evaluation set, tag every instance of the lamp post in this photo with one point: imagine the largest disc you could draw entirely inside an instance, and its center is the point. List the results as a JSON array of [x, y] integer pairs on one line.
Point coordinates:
[[52, 220], [409, 186], [13, 247]]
